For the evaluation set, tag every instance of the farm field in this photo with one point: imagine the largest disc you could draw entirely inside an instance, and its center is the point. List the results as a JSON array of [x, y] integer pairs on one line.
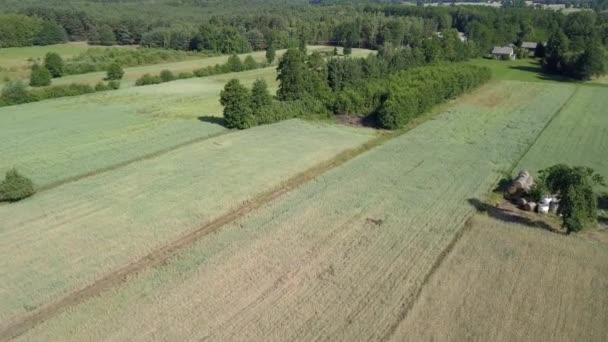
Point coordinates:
[[59, 139], [578, 135], [528, 70], [510, 282], [84, 229], [133, 73], [15, 62], [355, 245]]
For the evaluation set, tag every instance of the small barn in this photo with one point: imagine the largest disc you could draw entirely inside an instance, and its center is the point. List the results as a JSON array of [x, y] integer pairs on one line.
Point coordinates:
[[530, 46], [503, 52]]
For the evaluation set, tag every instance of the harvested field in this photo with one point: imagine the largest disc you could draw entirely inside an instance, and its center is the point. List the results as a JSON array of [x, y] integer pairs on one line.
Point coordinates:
[[510, 282], [340, 258], [66, 238], [55, 140]]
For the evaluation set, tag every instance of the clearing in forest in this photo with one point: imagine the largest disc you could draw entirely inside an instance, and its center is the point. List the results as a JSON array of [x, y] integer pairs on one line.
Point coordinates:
[[511, 282], [354, 246], [66, 238]]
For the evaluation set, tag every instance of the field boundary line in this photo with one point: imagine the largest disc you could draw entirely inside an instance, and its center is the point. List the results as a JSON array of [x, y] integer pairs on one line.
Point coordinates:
[[460, 232], [161, 255], [427, 277], [119, 165], [556, 114]]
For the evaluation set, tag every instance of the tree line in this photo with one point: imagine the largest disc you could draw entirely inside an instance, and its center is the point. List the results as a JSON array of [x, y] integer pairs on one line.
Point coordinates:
[[392, 87]]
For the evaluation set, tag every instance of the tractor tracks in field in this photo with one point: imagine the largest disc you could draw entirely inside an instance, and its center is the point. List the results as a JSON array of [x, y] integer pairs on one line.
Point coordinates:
[[161, 256], [466, 225], [119, 165]]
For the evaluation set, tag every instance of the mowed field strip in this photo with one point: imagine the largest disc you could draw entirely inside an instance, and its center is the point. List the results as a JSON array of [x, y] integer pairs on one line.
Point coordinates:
[[342, 257], [55, 140], [510, 282], [66, 238], [577, 136], [133, 73], [16, 61]]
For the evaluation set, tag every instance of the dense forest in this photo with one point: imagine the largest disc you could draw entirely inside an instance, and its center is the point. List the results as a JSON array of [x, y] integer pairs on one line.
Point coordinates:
[[574, 43]]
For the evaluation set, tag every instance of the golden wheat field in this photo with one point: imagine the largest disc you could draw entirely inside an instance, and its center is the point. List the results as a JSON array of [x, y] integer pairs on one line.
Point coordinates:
[[511, 282]]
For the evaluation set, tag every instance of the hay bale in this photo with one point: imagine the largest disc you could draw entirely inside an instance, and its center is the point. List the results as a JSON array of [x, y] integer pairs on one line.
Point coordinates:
[[530, 206], [522, 184]]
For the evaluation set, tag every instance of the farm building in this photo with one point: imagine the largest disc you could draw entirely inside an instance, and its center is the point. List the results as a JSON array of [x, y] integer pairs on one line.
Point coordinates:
[[503, 52], [530, 46]]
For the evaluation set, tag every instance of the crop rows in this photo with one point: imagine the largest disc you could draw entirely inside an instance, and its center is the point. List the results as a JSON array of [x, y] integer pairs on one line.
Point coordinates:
[[342, 257]]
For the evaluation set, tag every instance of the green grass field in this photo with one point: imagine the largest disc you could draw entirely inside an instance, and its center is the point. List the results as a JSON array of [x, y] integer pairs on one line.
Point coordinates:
[[133, 73], [16, 62], [87, 228], [578, 136], [354, 245], [528, 70], [58, 139]]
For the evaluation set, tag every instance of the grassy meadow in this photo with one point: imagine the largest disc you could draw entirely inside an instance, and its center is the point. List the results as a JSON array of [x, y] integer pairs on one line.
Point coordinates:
[[354, 245], [15, 62], [59, 139], [133, 73], [87, 228], [510, 282]]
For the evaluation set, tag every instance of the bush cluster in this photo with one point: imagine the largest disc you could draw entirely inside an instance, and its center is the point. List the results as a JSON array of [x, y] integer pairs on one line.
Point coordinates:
[[17, 93], [233, 64], [100, 59], [15, 187]]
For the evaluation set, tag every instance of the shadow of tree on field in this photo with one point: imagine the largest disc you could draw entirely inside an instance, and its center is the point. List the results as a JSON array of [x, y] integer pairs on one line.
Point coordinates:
[[602, 201], [502, 185], [212, 119], [508, 216], [541, 74]]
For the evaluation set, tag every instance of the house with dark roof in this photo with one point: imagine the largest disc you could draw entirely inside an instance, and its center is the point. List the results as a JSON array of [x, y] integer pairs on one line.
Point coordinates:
[[503, 52]]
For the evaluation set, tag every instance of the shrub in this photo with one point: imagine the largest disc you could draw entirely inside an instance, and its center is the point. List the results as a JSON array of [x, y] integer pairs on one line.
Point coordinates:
[[233, 64], [40, 76], [167, 76], [185, 75], [101, 87], [115, 72], [249, 63], [15, 187], [148, 79], [14, 92], [60, 91], [114, 85], [54, 63]]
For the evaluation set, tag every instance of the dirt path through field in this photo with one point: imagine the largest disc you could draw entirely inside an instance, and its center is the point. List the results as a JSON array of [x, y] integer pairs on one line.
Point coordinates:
[[161, 255]]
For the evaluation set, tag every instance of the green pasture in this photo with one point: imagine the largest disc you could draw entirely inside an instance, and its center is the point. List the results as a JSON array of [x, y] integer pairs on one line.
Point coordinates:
[[58, 139], [78, 232], [133, 73], [365, 234], [577, 136], [15, 62]]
